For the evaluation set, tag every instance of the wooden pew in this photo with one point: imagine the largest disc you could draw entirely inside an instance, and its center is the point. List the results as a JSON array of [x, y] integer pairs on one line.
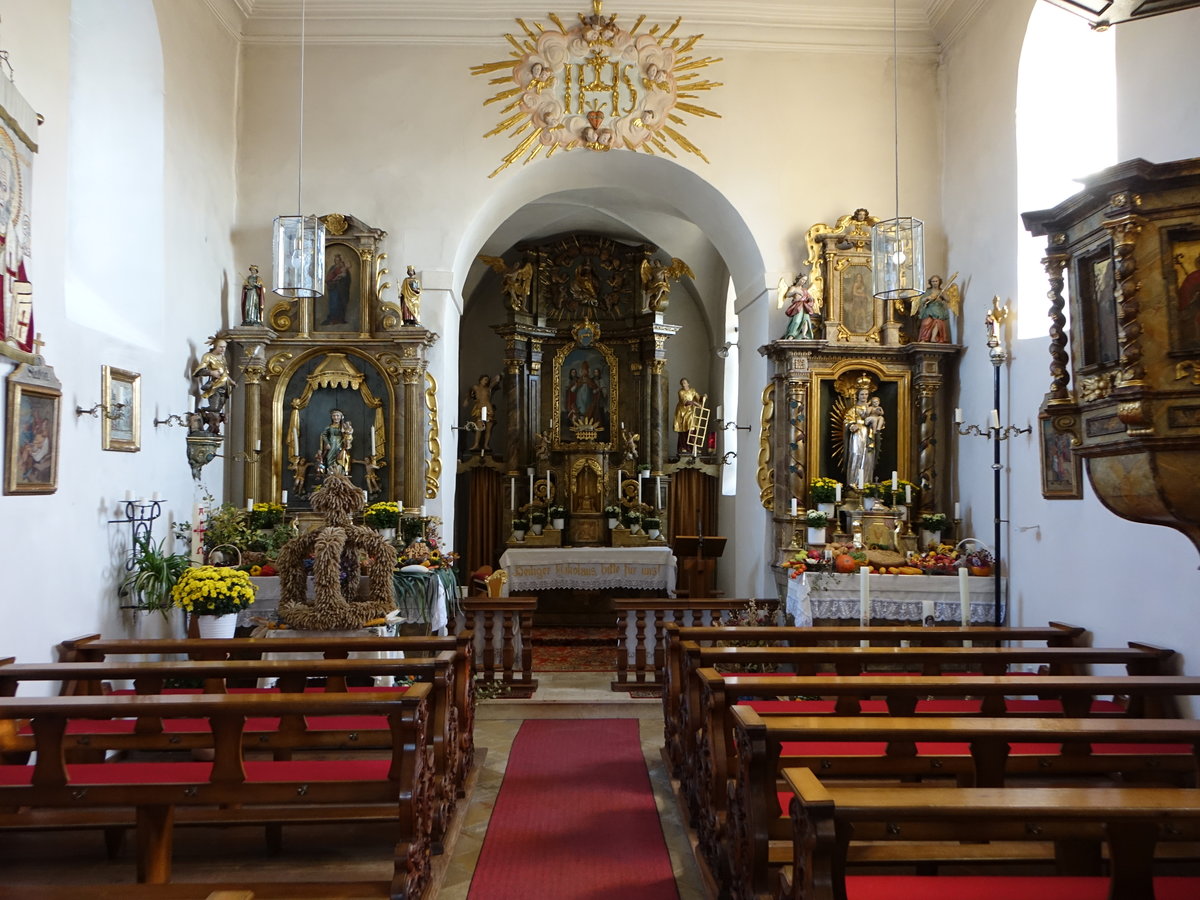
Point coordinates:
[[676, 685], [234, 788], [1131, 820], [1090, 748], [361, 733], [93, 648]]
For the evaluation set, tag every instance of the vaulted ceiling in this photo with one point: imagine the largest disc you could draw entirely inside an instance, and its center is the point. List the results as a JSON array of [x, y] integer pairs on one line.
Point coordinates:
[[922, 26]]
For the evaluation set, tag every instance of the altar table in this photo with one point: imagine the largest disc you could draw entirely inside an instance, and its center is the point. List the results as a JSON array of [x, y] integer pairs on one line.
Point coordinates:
[[589, 568], [900, 598]]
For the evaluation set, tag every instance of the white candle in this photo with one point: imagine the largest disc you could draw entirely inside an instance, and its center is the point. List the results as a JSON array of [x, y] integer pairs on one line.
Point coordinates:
[[285, 498], [964, 596], [156, 496], [366, 496], [895, 481], [549, 492], [512, 487], [793, 506], [249, 504], [996, 418], [422, 510], [372, 433], [129, 495], [720, 413], [622, 426], [864, 595], [957, 511], [658, 491], [483, 413], [531, 485], [958, 415], [837, 492], [908, 493], [258, 446]]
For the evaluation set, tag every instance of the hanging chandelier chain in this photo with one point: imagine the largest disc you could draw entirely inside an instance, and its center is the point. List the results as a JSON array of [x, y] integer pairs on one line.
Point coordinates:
[[896, 99], [300, 160]]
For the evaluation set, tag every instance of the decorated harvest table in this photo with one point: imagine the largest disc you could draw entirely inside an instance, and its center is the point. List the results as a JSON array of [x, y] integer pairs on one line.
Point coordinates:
[[589, 568], [900, 598]]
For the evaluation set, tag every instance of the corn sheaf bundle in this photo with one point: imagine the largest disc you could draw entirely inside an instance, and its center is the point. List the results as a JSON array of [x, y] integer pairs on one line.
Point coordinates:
[[335, 549]]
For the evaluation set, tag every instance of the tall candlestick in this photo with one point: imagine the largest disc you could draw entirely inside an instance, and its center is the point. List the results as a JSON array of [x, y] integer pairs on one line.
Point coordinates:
[[964, 596], [895, 481]]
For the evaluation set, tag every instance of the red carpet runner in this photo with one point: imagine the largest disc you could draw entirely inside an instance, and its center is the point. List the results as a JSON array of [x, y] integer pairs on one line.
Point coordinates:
[[575, 818]]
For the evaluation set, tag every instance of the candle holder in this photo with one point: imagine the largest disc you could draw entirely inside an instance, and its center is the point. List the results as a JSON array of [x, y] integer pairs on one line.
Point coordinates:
[[172, 419], [139, 516], [796, 544], [725, 426], [111, 413]]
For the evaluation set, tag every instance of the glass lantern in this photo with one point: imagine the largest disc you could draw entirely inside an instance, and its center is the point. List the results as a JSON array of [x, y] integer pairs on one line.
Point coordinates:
[[298, 250], [898, 258]]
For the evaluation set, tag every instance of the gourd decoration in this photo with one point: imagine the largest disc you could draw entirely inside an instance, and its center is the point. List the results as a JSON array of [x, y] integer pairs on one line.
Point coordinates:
[[335, 549]]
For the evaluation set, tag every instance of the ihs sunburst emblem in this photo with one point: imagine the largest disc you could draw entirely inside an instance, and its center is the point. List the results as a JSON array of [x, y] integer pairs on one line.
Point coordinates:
[[597, 86]]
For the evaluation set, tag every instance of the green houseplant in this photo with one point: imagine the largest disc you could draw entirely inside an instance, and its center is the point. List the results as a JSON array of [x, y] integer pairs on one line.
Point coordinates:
[[822, 490], [213, 591], [934, 522], [155, 572], [814, 518], [382, 515]]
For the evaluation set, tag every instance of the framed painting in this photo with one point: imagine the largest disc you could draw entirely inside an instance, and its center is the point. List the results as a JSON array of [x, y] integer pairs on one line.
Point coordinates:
[[1062, 467], [18, 132], [339, 309], [31, 437], [122, 420]]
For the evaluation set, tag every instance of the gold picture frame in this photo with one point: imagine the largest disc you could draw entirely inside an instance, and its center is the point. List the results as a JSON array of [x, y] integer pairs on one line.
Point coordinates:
[[121, 427], [32, 434]]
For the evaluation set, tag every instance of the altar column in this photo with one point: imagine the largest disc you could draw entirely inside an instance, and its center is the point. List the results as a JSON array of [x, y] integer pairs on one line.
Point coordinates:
[[258, 468], [927, 472], [413, 419], [656, 388]]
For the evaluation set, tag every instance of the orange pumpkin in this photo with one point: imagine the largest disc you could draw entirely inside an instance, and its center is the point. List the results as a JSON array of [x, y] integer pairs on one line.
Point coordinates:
[[845, 563]]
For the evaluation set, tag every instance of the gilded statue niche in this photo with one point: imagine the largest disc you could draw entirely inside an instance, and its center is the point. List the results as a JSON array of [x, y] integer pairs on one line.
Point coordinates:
[[585, 384]]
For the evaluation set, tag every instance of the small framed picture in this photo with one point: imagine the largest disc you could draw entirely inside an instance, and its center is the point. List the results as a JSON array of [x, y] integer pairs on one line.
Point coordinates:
[[1062, 468], [31, 438], [122, 422]]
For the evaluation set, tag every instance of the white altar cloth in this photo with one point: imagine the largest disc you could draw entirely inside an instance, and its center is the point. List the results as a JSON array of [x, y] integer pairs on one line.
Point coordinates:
[[589, 568], [903, 598]]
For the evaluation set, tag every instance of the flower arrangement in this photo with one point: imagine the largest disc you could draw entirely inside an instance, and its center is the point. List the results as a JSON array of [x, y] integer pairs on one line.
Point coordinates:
[[557, 512], [537, 517], [265, 516], [934, 521], [822, 490], [977, 558], [439, 560], [899, 495], [227, 525], [651, 522], [213, 591], [520, 524], [871, 489], [814, 518], [631, 517], [382, 515], [613, 512]]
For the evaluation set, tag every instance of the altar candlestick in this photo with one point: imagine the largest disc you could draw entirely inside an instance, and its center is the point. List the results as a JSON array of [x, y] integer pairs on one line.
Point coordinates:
[[996, 419], [964, 596], [249, 504], [837, 492], [908, 493], [895, 481], [794, 507], [958, 415]]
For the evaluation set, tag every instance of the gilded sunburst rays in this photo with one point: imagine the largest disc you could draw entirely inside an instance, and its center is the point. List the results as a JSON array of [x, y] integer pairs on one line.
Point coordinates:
[[596, 86]]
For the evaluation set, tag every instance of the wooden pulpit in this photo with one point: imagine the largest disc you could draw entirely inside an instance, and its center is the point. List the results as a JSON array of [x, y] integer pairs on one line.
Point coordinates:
[[697, 559]]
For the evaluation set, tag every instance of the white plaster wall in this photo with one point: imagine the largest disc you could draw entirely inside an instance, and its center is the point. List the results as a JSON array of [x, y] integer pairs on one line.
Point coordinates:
[[1076, 562], [59, 554]]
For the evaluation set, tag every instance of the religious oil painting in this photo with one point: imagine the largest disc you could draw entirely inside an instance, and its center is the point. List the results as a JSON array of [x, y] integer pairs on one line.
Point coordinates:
[[1062, 468], [1185, 256], [18, 128], [340, 308], [122, 420], [32, 434], [858, 304], [585, 387]]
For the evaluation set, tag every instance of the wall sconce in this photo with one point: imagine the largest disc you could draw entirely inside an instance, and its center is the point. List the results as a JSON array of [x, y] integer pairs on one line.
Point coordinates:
[[172, 419], [725, 426], [139, 516], [111, 413], [728, 458]]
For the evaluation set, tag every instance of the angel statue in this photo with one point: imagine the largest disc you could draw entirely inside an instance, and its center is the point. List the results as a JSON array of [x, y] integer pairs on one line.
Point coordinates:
[[515, 281], [801, 307], [656, 280], [933, 306]]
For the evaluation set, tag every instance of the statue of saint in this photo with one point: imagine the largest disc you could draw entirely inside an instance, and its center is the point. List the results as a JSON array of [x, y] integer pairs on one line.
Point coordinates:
[[933, 306], [481, 411], [801, 306], [410, 298], [690, 401], [252, 298], [333, 453], [215, 382], [862, 423]]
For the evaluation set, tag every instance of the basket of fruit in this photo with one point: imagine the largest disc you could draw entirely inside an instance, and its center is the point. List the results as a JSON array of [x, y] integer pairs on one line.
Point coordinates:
[[938, 561]]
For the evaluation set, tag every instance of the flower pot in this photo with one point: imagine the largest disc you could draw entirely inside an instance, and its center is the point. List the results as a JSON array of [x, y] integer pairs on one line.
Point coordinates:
[[217, 626], [654, 533], [868, 502], [558, 524], [518, 535], [535, 528], [387, 534], [981, 571], [828, 508], [930, 539], [815, 536], [612, 523]]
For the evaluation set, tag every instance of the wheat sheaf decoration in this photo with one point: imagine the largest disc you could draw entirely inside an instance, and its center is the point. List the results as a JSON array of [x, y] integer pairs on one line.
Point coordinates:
[[596, 86], [336, 549]]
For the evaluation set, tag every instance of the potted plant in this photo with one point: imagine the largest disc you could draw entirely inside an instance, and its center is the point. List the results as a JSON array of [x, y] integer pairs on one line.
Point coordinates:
[[519, 527], [265, 516], [383, 517], [537, 521], [558, 517], [614, 516], [816, 521], [898, 497], [216, 594], [870, 493], [227, 528], [154, 573], [632, 519], [979, 562], [932, 526], [653, 526], [824, 492]]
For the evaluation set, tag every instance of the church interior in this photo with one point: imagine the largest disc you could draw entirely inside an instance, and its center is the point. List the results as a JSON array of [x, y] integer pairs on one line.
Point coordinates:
[[608, 308]]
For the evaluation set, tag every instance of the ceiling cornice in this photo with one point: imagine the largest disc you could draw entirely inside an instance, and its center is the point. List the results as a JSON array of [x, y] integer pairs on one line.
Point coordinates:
[[792, 25], [231, 15]]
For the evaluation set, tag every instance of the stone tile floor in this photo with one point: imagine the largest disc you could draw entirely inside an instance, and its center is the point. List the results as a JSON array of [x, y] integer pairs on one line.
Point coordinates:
[[568, 695]]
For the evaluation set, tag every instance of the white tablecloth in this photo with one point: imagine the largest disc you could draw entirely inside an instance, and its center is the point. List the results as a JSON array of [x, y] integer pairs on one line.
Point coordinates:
[[589, 568], [904, 598]]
